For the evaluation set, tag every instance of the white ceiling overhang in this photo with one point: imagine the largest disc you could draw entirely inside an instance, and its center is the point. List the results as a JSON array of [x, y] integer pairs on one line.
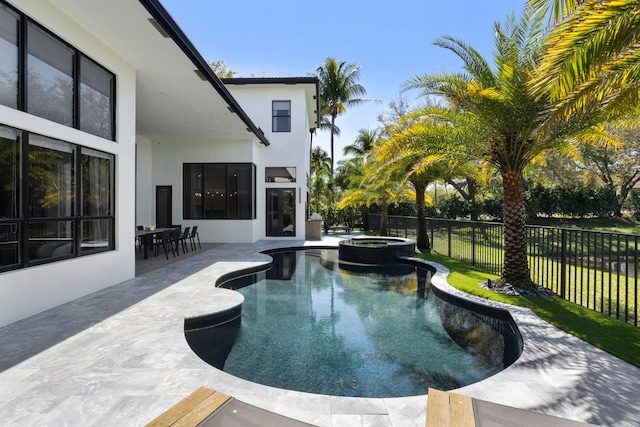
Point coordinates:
[[178, 98]]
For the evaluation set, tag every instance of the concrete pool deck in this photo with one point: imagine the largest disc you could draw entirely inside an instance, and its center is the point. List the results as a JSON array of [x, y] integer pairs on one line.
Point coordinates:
[[118, 357]]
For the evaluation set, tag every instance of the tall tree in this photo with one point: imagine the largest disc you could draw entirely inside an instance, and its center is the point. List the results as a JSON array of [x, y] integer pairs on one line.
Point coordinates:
[[502, 103], [592, 55], [320, 166], [363, 144], [339, 89], [414, 153], [616, 166], [376, 189]]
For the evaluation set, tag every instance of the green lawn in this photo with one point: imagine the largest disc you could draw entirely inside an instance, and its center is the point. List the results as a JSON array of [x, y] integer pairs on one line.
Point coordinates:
[[609, 334], [614, 224]]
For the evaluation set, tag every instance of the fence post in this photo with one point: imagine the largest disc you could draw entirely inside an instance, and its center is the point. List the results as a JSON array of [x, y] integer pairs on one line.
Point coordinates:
[[473, 245], [563, 265], [449, 239]]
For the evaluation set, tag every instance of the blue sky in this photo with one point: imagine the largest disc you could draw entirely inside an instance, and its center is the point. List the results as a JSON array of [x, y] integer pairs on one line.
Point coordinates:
[[391, 41]]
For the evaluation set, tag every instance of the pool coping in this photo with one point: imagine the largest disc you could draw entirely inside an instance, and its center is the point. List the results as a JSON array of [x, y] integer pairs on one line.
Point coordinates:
[[129, 364]]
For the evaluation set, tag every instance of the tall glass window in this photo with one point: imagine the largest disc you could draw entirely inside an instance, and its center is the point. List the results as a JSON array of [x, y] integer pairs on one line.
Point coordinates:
[[215, 191], [51, 192], [9, 24], [51, 178], [96, 107], [219, 191], [97, 200], [50, 77], [10, 189], [281, 116]]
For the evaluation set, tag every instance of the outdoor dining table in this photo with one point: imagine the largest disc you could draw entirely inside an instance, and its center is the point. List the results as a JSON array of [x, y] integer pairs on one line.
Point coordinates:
[[146, 238]]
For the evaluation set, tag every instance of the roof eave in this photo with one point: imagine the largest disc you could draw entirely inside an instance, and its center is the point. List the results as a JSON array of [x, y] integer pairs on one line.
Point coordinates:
[[162, 17]]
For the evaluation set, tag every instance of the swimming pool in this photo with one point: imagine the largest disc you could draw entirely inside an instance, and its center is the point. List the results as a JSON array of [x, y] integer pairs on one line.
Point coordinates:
[[313, 324]]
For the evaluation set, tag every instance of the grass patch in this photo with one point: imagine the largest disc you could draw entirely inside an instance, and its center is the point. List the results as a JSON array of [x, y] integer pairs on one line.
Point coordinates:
[[609, 334], [611, 224]]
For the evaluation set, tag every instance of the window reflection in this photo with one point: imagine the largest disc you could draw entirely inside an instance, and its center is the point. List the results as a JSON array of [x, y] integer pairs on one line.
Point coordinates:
[[51, 174], [281, 174], [95, 99], [50, 77], [9, 23], [219, 191]]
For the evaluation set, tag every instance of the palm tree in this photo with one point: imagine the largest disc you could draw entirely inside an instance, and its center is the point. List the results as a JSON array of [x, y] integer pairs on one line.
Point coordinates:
[[320, 166], [339, 89], [363, 144], [375, 189], [592, 55], [500, 103], [415, 153]]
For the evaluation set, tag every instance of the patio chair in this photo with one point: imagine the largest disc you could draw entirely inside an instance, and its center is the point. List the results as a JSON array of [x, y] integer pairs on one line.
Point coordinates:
[[182, 239], [164, 241], [192, 237], [175, 240], [138, 239]]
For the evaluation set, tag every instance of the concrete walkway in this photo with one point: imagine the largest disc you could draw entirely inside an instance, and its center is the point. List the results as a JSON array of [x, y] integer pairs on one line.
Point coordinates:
[[119, 357]]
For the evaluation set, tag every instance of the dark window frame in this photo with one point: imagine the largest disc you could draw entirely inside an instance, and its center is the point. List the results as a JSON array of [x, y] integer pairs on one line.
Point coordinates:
[[23, 52], [272, 176], [275, 117], [197, 211], [26, 225]]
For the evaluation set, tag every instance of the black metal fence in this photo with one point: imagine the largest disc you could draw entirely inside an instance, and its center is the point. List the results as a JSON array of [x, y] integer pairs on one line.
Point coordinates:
[[598, 270]]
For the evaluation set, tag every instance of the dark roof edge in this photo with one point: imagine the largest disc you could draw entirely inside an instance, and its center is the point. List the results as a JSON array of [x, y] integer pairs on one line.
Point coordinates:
[[279, 80], [162, 17], [270, 80]]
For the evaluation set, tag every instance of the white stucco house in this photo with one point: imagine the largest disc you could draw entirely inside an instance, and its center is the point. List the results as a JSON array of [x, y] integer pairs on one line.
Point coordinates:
[[109, 119]]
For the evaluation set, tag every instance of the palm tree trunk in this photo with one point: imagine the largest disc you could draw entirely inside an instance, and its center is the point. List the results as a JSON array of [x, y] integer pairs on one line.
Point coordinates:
[[422, 235], [516, 266], [384, 219], [333, 122]]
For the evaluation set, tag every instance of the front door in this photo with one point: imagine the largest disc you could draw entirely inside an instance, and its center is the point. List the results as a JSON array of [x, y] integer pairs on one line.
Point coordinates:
[[281, 207], [163, 206]]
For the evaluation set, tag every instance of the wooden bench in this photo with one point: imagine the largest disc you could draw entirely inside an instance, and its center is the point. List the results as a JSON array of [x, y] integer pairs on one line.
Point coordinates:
[[191, 410], [344, 228], [449, 410]]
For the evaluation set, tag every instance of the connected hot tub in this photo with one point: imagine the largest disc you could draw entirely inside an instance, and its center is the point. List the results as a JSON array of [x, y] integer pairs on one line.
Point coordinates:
[[375, 250]]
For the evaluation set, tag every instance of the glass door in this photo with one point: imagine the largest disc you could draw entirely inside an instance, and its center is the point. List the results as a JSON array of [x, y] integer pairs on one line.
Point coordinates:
[[281, 204]]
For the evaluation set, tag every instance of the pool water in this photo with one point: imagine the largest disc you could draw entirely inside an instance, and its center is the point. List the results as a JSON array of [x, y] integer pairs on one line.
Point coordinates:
[[309, 324]]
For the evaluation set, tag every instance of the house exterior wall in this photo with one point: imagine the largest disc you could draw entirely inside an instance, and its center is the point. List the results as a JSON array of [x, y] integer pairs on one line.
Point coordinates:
[[30, 290], [167, 169], [287, 149]]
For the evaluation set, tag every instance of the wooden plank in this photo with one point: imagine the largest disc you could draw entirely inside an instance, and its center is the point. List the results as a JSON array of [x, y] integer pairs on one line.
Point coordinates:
[[461, 410], [182, 408], [438, 412], [203, 410]]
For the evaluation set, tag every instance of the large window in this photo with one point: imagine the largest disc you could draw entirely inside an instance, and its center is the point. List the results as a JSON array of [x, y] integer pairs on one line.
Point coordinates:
[[57, 82], [65, 206], [9, 24], [50, 77], [219, 191], [281, 114]]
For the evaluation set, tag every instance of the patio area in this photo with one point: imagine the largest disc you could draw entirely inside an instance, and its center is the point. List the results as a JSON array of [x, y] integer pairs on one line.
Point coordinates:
[[119, 357]]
